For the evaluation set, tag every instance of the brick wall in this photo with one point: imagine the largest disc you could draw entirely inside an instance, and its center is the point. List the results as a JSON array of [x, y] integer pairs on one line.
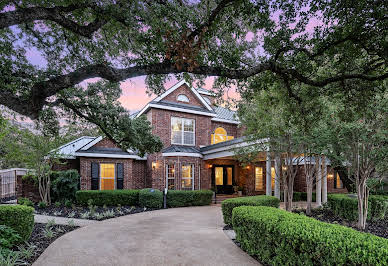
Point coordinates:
[[161, 126], [193, 100], [231, 129], [85, 172], [67, 165], [26, 188], [105, 143], [139, 174]]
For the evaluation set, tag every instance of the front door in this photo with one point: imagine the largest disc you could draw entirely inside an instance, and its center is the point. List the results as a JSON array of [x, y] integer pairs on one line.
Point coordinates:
[[223, 179]]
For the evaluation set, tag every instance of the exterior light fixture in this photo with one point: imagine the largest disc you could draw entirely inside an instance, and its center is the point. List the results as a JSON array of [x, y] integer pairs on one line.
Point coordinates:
[[153, 165]]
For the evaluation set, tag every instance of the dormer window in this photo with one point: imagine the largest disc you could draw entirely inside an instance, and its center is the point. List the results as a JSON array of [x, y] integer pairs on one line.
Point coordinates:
[[182, 98]]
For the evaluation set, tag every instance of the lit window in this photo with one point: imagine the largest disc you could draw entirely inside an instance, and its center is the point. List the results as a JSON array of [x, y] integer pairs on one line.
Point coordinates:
[[107, 176], [187, 177], [338, 182], [220, 135], [182, 131], [273, 175], [258, 178], [170, 173], [182, 98]]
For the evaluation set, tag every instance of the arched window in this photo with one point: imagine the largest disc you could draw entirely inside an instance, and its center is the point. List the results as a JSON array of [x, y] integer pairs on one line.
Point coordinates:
[[182, 98], [220, 135]]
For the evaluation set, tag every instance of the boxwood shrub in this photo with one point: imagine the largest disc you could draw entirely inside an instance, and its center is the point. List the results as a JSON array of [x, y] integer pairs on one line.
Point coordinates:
[[20, 218], [129, 197], [182, 198], [302, 196], [151, 198], [228, 205], [346, 206], [278, 237]]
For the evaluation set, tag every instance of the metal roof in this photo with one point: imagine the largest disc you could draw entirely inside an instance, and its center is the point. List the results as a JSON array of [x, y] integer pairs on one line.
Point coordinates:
[[223, 144], [108, 151], [68, 150], [178, 148], [182, 105], [224, 113]]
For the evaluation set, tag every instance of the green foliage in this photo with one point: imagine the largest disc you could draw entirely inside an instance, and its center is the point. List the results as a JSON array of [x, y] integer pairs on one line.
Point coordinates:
[[108, 197], [42, 205], [302, 196], [151, 198], [25, 202], [19, 218], [278, 237], [346, 206], [182, 198], [64, 185], [229, 204], [68, 203], [57, 204], [8, 237]]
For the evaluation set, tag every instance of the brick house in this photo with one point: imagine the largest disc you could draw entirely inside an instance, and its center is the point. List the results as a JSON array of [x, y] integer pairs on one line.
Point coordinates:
[[199, 140]]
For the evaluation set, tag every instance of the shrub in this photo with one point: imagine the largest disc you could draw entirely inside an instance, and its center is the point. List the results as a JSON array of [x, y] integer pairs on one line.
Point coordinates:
[[64, 185], [42, 205], [19, 218], [278, 237], [151, 198], [229, 204], [25, 202], [182, 198], [68, 203], [108, 197], [302, 196], [346, 206], [8, 237]]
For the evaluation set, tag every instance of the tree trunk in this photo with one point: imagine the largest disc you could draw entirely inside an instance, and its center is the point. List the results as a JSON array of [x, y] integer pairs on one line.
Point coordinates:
[[309, 198]]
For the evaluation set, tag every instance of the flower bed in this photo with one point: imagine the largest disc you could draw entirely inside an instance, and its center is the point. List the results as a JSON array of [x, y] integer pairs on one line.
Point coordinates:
[[41, 237], [91, 212]]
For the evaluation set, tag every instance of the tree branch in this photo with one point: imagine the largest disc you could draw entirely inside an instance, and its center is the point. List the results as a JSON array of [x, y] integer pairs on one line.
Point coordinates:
[[25, 15]]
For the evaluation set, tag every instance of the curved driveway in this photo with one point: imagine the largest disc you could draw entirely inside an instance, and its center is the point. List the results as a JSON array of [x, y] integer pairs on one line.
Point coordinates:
[[180, 236]]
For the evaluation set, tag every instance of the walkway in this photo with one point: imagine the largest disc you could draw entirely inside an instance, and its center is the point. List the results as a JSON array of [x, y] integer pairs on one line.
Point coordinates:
[[38, 218], [180, 236]]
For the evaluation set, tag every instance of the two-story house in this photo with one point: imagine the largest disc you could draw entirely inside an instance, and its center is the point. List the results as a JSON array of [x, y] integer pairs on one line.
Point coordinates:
[[199, 140]]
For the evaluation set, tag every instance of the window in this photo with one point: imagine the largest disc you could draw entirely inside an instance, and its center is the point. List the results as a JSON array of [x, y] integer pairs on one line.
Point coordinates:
[[273, 175], [107, 176], [187, 177], [220, 135], [182, 98], [337, 181], [170, 173], [182, 131], [258, 178], [219, 172]]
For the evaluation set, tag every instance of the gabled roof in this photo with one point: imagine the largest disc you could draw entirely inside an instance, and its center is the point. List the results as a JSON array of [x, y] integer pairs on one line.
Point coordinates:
[[178, 150], [225, 115]]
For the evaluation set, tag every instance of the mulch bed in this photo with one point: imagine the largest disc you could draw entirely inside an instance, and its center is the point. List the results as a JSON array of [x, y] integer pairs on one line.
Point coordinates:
[[39, 241], [98, 213], [378, 228]]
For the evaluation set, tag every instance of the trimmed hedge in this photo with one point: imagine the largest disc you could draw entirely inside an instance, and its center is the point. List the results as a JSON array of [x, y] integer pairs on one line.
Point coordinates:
[[182, 198], [228, 205], [278, 237], [347, 207], [20, 218], [151, 198], [129, 197]]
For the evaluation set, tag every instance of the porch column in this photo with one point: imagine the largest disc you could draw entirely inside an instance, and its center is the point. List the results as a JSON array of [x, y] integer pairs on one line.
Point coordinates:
[[277, 177], [318, 186], [268, 186], [324, 180]]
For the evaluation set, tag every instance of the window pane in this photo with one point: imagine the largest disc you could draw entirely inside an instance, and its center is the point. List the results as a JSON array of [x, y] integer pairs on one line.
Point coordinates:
[[187, 177], [230, 174], [176, 137], [176, 124], [171, 184], [258, 178], [188, 138], [219, 176], [186, 184], [189, 125], [186, 171], [107, 170], [171, 176], [273, 174]]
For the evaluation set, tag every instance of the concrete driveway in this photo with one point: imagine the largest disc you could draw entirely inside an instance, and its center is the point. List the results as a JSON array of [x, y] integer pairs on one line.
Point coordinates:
[[180, 236]]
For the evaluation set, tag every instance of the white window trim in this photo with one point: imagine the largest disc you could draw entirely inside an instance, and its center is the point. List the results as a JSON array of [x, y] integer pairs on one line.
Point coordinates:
[[114, 175], [192, 175], [183, 127], [167, 178]]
